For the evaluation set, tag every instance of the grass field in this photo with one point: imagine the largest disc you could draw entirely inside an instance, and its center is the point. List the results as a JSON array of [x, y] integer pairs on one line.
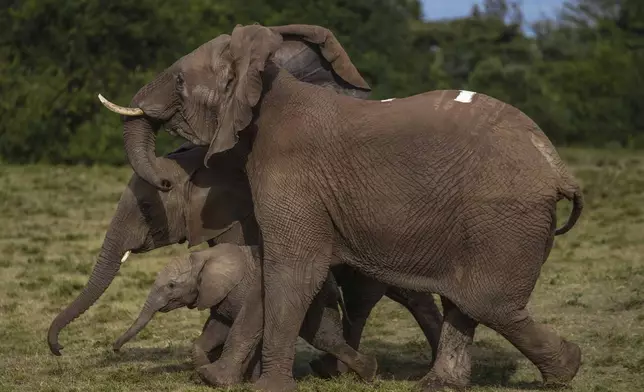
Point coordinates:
[[54, 218]]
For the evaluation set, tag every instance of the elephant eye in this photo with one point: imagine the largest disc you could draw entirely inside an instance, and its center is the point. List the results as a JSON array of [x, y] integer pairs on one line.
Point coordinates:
[[231, 78], [171, 285], [179, 83]]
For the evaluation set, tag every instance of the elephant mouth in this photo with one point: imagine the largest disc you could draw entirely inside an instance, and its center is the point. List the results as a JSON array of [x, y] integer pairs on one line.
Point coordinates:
[[179, 126], [192, 304]]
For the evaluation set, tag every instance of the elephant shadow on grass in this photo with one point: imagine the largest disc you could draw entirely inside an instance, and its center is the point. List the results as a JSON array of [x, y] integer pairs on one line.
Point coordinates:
[[176, 359], [170, 359], [492, 364]]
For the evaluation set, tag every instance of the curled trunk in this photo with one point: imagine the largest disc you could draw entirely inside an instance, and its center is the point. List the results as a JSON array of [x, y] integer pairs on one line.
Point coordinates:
[[139, 133], [139, 136]]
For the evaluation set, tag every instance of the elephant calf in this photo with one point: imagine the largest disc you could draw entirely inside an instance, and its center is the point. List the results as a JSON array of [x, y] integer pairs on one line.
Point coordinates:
[[222, 278]]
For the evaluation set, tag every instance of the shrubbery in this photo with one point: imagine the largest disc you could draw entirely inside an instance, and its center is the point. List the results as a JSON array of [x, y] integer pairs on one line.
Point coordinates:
[[581, 76]]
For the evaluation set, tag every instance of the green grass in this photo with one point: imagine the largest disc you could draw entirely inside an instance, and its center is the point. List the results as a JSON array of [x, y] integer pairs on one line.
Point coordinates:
[[54, 218]]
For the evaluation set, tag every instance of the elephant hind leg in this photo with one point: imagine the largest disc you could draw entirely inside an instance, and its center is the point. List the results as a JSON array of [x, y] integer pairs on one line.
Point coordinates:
[[328, 338], [207, 347], [557, 359], [505, 267], [322, 328], [453, 364], [424, 310]]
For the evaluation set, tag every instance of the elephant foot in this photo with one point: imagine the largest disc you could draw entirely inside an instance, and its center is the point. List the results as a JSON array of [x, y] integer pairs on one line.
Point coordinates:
[[369, 368], [218, 375], [434, 383], [560, 374], [199, 357], [328, 366], [274, 383]]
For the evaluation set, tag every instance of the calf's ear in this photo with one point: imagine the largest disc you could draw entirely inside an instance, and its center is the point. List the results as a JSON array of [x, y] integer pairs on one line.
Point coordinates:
[[223, 269]]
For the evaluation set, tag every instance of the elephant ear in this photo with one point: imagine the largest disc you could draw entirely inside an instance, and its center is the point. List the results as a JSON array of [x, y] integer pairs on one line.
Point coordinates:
[[223, 268], [216, 199], [330, 48], [250, 47]]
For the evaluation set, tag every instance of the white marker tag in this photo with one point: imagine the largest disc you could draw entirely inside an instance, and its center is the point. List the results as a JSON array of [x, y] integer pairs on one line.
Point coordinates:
[[125, 256], [387, 100], [465, 96]]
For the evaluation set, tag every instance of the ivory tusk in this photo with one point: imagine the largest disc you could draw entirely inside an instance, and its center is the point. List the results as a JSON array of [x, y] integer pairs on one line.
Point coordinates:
[[132, 112], [125, 256]]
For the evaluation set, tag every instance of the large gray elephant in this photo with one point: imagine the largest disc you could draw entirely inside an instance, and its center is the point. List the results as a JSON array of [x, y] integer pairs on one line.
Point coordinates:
[[215, 204], [447, 191], [222, 278]]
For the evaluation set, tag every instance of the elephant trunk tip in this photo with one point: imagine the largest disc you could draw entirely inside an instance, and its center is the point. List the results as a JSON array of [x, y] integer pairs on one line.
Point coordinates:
[[55, 348], [52, 341]]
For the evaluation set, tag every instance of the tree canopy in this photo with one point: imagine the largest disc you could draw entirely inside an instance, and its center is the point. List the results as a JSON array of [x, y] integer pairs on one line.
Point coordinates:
[[580, 76]]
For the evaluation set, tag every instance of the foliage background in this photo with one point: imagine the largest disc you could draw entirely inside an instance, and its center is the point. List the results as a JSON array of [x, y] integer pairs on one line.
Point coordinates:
[[580, 75]]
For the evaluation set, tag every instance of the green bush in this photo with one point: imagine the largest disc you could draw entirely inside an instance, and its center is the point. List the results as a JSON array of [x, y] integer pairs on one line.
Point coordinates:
[[582, 82]]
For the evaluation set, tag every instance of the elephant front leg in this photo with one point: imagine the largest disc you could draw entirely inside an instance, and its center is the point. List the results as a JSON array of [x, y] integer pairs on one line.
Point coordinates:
[[214, 334], [290, 285], [243, 338]]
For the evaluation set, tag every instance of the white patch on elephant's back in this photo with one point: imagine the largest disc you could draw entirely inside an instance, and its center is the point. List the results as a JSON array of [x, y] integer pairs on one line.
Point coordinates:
[[125, 256], [545, 150], [387, 100], [465, 96]]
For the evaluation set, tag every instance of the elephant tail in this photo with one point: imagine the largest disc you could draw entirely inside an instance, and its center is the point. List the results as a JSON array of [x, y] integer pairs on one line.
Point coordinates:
[[577, 199]]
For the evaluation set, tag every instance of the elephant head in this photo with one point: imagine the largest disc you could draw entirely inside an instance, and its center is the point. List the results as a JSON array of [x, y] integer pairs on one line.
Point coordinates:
[[208, 96], [147, 219], [202, 279]]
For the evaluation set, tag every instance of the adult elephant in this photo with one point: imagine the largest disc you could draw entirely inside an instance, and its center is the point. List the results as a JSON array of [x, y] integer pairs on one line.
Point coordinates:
[[448, 191]]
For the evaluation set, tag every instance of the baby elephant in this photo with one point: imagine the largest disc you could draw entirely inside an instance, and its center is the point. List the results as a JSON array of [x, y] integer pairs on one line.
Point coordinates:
[[222, 278]]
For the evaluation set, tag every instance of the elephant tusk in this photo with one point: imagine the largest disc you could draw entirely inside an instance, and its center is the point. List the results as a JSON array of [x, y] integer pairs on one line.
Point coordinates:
[[125, 256], [132, 112]]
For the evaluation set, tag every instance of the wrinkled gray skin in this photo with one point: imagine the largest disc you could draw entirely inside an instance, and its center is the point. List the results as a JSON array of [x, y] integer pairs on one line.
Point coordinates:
[[155, 219], [222, 278], [146, 219], [211, 203], [438, 192]]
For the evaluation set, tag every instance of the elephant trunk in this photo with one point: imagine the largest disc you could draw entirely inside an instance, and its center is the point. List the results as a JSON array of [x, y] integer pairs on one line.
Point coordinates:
[[106, 268], [139, 132], [125, 233], [151, 306], [139, 136]]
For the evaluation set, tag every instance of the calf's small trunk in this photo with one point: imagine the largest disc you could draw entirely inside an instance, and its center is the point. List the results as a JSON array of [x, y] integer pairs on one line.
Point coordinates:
[[150, 308]]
